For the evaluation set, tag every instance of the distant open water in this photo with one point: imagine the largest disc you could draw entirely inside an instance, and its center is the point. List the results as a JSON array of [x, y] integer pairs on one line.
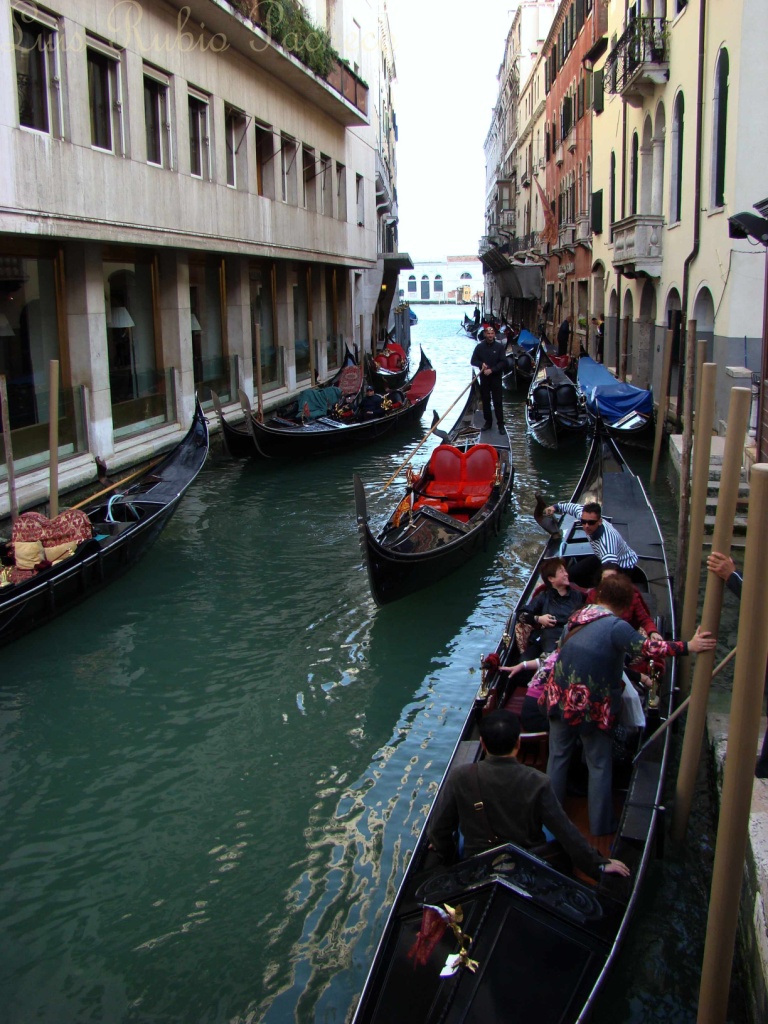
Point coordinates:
[[212, 774]]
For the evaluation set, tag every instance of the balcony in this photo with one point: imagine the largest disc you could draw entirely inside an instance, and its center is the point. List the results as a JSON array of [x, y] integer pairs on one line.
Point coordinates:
[[559, 154], [566, 236], [639, 61], [637, 244], [525, 179], [582, 228]]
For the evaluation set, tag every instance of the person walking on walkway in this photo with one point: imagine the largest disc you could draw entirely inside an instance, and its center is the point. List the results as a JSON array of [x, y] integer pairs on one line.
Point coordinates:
[[564, 336]]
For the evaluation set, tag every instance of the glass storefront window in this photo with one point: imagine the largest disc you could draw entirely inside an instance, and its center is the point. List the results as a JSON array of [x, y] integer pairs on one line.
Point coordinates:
[[332, 336], [136, 381], [29, 340], [208, 357], [301, 325], [263, 314]]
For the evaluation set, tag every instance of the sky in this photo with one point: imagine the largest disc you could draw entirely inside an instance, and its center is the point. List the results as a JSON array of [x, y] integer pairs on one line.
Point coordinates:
[[447, 56]]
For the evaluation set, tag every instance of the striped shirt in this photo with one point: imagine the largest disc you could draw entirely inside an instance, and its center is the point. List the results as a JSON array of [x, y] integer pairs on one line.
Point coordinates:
[[606, 542]]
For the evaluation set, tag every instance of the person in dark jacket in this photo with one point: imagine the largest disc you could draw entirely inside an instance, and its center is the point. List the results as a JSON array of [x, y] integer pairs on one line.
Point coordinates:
[[371, 407], [550, 608], [513, 804], [564, 336], [725, 567], [489, 357]]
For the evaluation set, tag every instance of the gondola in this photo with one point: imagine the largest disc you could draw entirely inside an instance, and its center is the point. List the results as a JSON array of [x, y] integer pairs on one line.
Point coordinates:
[[543, 939], [625, 411], [555, 407], [123, 525], [237, 437], [388, 369], [449, 512], [288, 434], [521, 362]]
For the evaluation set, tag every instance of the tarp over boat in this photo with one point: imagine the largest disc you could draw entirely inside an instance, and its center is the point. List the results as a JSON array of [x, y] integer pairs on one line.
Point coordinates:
[[607, 396], [527, 340]]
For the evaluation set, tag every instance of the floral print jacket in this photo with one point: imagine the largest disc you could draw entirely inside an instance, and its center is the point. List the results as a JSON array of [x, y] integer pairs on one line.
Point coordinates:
[[584, 677]]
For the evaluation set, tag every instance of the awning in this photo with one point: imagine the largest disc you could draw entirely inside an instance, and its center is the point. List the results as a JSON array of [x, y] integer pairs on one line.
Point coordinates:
[[396, 261], [519, 281]]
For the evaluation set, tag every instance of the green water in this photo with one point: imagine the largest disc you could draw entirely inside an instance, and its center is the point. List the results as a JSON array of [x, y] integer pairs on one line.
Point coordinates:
[[212, 773]]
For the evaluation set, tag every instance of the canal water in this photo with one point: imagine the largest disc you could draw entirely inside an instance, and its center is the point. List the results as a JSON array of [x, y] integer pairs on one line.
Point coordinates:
[[212, 774]]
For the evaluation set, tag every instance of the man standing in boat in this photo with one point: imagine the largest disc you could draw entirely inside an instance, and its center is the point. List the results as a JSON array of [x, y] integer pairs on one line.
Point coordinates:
[[489, 358], [564, 337], [606, 542]]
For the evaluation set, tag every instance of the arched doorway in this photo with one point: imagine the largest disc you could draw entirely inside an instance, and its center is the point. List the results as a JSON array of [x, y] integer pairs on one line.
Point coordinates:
[[597, 304], [704, 315], [673, 315], [645, 336], [611, 347], [626, 364]]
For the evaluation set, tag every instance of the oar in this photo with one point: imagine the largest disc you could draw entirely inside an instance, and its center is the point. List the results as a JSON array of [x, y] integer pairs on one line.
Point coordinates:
[[679, 710], [435, 423], [117, 483]]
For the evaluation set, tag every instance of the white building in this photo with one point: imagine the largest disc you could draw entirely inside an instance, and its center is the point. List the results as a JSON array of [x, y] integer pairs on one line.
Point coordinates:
[[456, 279], [177, 191]]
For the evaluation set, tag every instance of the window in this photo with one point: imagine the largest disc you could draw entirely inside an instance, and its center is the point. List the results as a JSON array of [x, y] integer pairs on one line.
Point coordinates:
[[676, 197], [199, 141], [634, 170], [597, 212], [341, 191], [288, 173], [36, 48], [326, 185], [719, 129], [360, 200], [157, 117], [309, 178], [265, 161], [209, 361], [438, 285], [412, 283], [425, 287], [612, 194], [266, 351], [598, 91], [104, 97], [466, 276], [235, 127]]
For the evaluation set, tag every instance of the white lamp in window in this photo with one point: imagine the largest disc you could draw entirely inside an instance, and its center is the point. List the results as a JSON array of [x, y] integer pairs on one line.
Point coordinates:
[[122, 320], [195, 322], [6, 331]]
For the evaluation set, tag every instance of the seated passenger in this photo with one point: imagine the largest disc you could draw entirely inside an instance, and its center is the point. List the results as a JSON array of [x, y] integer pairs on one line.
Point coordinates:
[[551, 608], [637, 615], [498, 800], [370, 407]]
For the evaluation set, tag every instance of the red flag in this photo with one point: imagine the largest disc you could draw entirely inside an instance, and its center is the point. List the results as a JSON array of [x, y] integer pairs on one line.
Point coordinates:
[[434, 922], [549, 234]]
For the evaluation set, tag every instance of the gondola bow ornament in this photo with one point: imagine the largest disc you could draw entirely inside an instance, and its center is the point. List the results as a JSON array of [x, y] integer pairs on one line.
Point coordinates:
[[435, 921]]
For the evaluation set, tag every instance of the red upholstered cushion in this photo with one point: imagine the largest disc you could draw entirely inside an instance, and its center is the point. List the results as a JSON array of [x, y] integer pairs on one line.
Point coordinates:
[[480, 463]]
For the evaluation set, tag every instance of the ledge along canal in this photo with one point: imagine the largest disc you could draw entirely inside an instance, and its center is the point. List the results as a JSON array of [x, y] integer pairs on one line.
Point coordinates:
[[212, 773]]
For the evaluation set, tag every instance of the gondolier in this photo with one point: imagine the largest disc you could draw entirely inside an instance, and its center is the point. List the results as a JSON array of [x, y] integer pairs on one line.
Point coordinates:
[[605, 541], [490, 358]]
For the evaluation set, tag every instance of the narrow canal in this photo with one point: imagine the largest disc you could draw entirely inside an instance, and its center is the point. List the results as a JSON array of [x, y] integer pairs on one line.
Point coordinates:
[[211, 775]]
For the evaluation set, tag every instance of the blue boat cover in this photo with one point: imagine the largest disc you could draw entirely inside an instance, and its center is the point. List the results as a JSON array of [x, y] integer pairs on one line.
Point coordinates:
[[316, 402], [607, 396], [527, 340]]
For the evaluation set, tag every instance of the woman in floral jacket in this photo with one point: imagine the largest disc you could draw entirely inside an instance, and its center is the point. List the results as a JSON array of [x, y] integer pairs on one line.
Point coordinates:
[[583, 696]]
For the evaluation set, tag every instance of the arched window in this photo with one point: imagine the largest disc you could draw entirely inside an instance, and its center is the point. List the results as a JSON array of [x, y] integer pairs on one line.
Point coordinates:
[[633, 174], [465, 276], [676, 197], [412, 283], [719, 128], [425, 287], [438, 285]]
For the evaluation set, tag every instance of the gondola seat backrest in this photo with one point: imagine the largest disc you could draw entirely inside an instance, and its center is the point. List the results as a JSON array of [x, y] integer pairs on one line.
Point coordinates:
[[445, 470], [350, 380], [463, 479], [544, 398], [566, 397], [480, 464]]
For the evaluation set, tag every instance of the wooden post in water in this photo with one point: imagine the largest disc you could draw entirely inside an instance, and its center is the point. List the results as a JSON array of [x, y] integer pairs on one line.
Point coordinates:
[[661, 412], [738, 418], [8, 447], [312, 372], [685, 460], [730, 850], [53, 437], [701, 455], [362, 339], [625, 349], [259, 386]]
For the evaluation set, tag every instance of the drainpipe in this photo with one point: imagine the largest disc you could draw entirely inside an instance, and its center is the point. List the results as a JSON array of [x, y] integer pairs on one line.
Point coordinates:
[[690, 340]]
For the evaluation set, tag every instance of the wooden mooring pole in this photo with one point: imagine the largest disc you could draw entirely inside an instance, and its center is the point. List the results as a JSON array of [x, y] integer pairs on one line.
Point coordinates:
[[661, 412], [701, 455], [53, 438], [738, 418], [732, 832], [13, 503]]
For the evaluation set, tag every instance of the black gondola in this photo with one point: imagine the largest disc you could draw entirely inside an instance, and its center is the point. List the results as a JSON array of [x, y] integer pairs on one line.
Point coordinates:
[[124, 524], [449, 512], [555, 406], [282, 435], [624, 410], [521, 358], [388, 369], [543, 940]]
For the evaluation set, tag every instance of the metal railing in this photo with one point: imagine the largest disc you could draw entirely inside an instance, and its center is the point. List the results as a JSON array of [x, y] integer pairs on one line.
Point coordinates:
[[644, 42]]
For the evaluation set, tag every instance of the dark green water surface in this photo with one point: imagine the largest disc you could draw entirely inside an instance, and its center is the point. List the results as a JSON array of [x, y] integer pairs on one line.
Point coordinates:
[[212, 774]]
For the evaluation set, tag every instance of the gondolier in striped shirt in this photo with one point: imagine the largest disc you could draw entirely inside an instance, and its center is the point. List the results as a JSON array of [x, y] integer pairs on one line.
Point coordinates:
[[606, 542]]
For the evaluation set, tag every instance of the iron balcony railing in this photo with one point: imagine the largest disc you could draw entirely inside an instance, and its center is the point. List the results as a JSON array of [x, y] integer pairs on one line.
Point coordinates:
[[645, 42]]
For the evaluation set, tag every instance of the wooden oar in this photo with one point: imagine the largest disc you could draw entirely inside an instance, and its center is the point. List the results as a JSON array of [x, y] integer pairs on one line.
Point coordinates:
[[679, 710], [435, 422], [117, 483]]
